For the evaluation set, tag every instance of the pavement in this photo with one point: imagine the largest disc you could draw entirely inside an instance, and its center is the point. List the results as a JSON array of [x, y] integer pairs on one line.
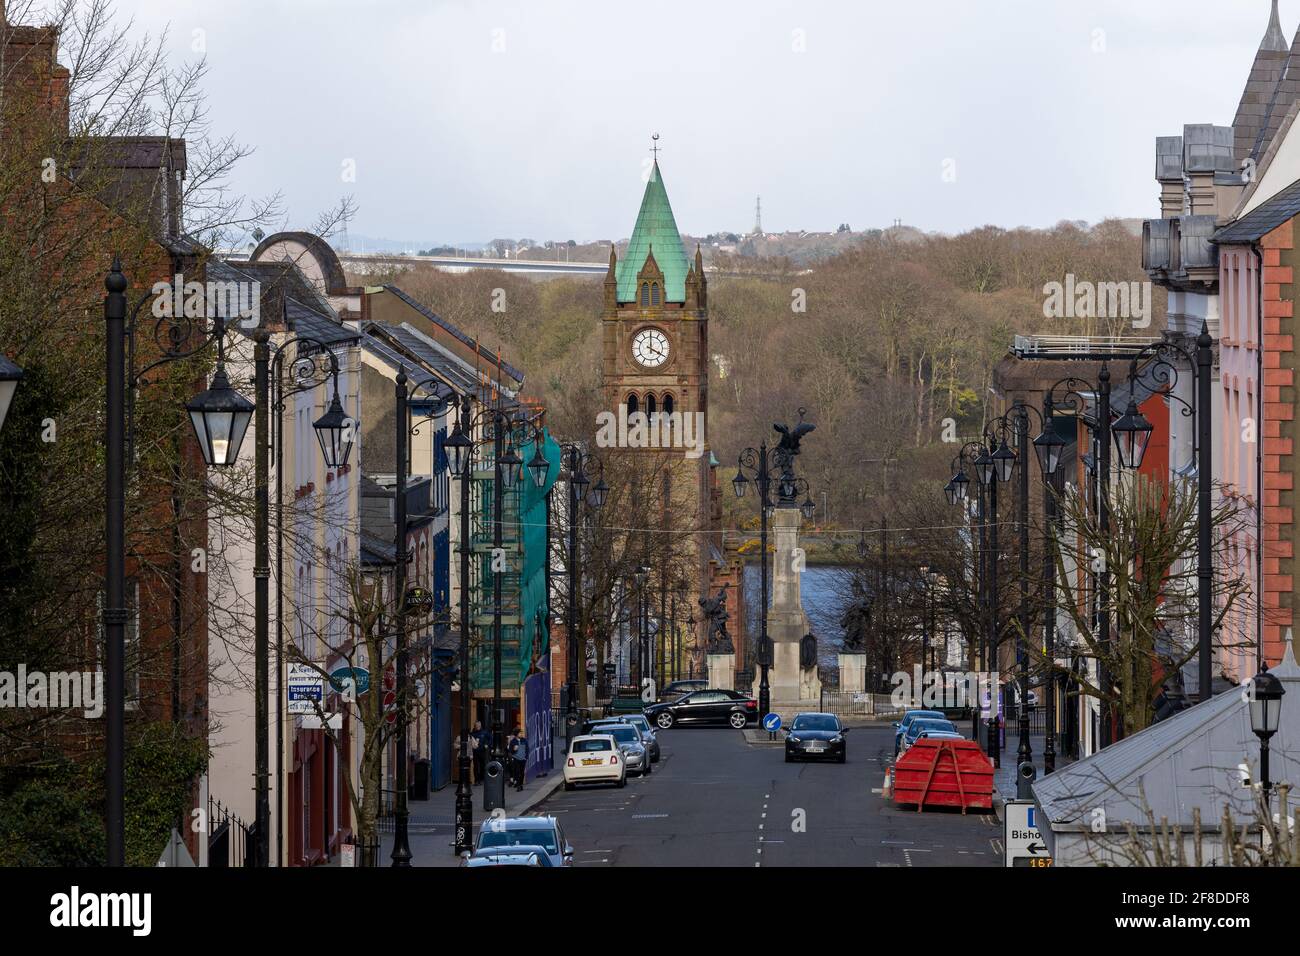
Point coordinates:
[[718, 799]]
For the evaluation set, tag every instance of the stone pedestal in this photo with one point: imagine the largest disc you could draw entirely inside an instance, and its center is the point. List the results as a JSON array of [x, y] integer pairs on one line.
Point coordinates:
[[722, 671], [793, 687], [853, 673]]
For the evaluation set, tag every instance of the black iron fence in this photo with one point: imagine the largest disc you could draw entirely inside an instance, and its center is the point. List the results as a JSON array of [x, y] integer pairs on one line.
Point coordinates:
[[230, 840], [856, 703], [1037, 720]]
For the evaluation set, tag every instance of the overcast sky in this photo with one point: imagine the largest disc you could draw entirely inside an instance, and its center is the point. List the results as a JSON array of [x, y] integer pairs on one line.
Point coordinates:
[[474, 120]]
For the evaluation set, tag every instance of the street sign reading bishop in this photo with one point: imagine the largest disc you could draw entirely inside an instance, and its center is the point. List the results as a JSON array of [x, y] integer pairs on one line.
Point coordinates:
[[1021, 839]]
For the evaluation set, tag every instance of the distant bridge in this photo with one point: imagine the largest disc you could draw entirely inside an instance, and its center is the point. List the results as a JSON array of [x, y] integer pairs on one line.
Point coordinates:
[[360, 261]]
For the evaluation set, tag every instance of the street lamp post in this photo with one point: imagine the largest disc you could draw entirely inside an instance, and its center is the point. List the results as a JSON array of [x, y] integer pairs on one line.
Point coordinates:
[[460, 456], [1048, 447], [1265, 701], [956, 492], [441, 395], [989, 475], [115, 611], [578, 483]]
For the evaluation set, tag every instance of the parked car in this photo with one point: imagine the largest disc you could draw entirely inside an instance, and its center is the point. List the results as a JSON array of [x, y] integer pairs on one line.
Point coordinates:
[[705, 707], [925, 725], [508, 856], [648, 735], [594, 758], [647, 732], [900, 727], [531, 832], [813, 736], [678, 688], [636, 752]]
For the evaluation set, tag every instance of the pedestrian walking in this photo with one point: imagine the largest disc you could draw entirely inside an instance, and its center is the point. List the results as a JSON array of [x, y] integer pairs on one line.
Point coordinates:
[[518, 757], [481, 746]]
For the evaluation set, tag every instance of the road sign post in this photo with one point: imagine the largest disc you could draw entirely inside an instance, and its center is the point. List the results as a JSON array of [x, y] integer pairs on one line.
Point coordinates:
[[1022, 841], [772, 723]]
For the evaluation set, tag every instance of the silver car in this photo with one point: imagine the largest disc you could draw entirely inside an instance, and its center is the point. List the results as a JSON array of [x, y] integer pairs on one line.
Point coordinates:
[[636, 754], [648, 736], [505, 833]]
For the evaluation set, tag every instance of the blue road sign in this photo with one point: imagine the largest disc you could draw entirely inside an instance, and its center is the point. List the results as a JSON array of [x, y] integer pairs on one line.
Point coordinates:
[[772, 723]]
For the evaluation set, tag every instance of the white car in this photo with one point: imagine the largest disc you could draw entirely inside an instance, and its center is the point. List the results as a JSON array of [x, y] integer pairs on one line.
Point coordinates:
[[595, 758]]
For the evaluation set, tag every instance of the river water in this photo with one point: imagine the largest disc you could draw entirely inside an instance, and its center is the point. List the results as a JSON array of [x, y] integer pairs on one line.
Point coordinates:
[[820, 586]]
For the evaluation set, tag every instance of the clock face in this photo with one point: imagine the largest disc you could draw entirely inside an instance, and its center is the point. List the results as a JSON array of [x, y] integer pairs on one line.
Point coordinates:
[[650, 348]]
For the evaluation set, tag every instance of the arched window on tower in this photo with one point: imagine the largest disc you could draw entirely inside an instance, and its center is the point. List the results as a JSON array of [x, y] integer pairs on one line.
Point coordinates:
[[650, 407], [668, 403], [632, 404], [645, 293], [654, 293]]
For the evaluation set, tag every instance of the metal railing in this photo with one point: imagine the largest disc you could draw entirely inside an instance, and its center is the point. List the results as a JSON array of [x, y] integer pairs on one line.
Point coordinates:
[[1037, 720], [1069, 344], [230, 840], [856, 703]]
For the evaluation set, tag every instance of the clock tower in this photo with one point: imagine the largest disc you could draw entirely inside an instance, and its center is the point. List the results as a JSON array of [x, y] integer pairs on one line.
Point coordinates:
[[655, 361], [656, 317]]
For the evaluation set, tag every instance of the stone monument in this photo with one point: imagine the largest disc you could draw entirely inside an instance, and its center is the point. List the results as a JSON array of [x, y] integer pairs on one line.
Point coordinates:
[[793, 686], [718, 646]]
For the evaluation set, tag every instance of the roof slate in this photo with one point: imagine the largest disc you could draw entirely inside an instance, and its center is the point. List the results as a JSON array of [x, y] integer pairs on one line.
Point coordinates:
[[655, 230], [438, 320], [1263, 219], [1190, 760]]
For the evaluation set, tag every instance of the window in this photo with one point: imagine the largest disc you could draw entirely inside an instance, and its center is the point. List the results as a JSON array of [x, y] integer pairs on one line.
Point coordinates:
[[654, 293], [645, 293], [668, 404], [591, 746], [632, 404], [650, 406]]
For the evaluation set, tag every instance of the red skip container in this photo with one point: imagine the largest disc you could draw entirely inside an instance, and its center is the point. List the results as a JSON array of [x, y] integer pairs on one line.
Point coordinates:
[[944, 773]]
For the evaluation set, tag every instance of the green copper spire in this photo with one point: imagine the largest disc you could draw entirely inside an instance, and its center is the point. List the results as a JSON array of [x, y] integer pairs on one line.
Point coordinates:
[[655, 226]]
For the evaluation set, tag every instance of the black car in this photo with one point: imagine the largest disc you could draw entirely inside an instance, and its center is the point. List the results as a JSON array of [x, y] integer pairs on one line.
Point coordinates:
[[705, 707], [814, 736], [677, 688]]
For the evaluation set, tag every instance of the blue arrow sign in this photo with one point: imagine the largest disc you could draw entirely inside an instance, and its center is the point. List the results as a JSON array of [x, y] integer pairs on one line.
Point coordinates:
[[772, 723]]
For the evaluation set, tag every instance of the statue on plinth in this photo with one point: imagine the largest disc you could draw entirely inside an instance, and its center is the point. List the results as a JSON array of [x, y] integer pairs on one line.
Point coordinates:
[[856, 621], [718, 641]]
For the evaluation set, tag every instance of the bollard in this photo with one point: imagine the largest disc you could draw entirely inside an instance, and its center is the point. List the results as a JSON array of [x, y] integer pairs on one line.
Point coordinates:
[[1025, 775], [494, 786]]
